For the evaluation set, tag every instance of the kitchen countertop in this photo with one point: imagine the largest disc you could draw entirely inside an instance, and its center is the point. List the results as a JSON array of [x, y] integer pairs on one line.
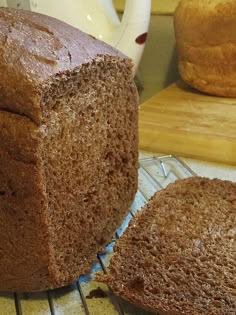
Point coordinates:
[[212, 170], [204, 168]]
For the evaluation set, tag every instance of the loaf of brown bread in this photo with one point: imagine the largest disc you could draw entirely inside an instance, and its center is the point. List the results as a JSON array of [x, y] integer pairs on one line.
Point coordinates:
[[206, 41], [178, 255], [68, 149]]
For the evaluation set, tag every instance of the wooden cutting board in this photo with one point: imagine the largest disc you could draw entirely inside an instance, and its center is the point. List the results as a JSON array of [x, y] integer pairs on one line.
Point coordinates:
[[182, 121]]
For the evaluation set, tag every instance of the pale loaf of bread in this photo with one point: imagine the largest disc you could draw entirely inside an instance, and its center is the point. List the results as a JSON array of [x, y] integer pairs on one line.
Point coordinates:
[[206, 42]]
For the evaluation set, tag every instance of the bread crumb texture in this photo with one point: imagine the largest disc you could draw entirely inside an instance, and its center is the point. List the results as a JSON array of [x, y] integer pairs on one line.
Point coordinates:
[[178, 256]]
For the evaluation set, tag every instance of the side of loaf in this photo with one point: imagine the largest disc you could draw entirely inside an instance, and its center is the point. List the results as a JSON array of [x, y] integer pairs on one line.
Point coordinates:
[[68, 149], [206, 42], [178, 255]]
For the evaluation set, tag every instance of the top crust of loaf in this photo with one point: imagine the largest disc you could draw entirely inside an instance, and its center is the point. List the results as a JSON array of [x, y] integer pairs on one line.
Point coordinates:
[[210, 4], [196, 22], [35, 47]]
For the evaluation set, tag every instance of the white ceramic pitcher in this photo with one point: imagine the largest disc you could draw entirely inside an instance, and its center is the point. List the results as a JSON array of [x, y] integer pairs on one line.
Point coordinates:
[[99, 18]]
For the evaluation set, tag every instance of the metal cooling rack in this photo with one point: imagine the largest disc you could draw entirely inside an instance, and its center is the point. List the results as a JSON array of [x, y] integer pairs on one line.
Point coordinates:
[[87, 297]]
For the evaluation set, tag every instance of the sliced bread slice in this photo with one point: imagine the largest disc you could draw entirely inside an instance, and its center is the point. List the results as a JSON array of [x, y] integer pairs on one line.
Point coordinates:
[[178, 255]]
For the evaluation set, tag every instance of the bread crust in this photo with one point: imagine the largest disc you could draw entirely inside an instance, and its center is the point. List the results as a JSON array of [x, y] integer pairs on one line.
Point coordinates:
[[25, 254], [35, 47], [206, 41]]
